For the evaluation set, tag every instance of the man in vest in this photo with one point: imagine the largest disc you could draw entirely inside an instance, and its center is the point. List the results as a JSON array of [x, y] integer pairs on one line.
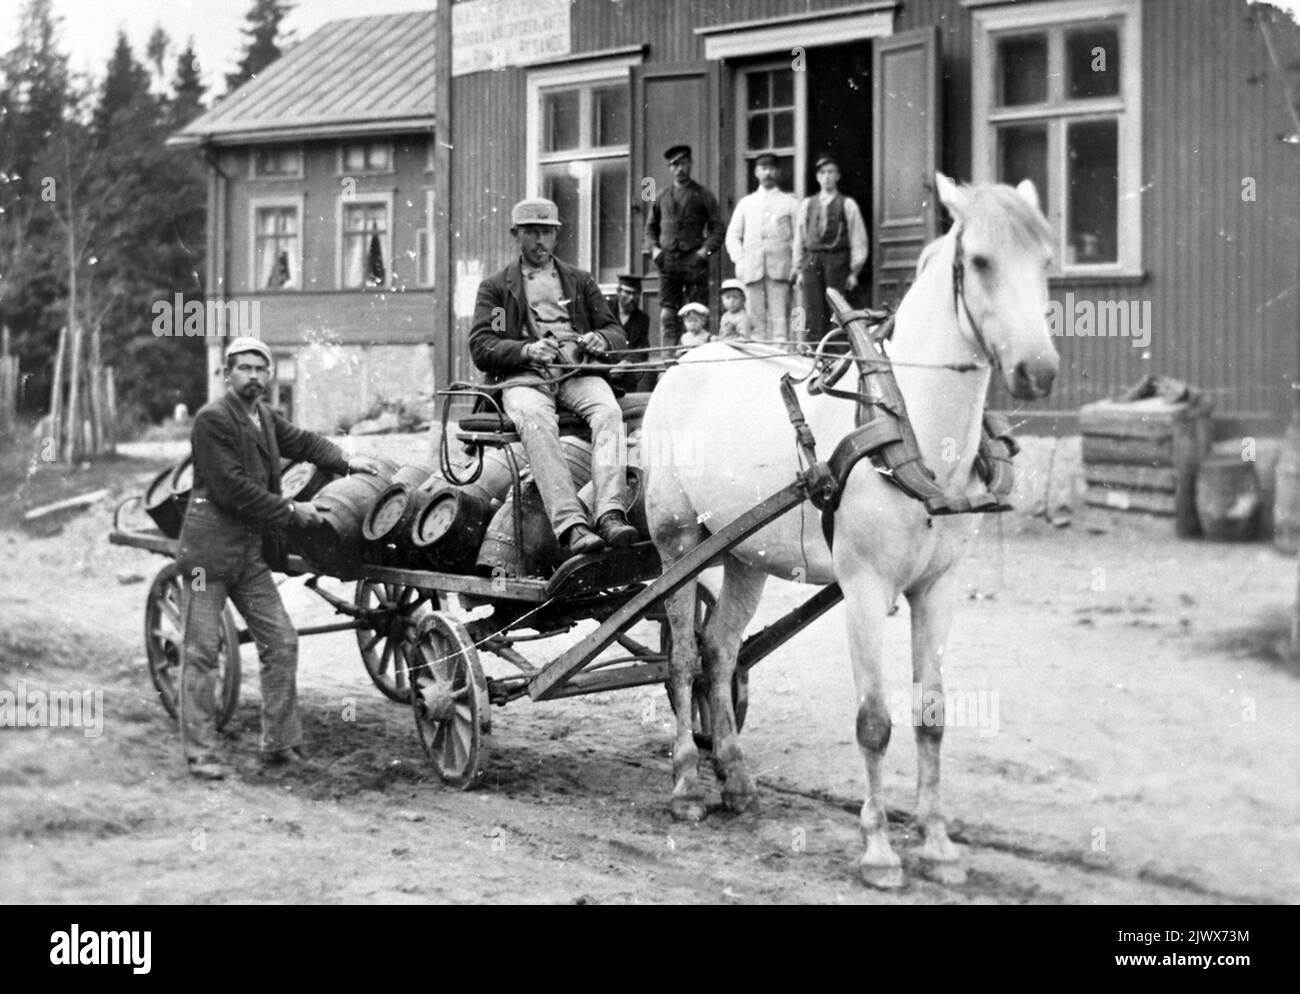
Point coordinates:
[[684, 228], [830, 247], [760, 241]]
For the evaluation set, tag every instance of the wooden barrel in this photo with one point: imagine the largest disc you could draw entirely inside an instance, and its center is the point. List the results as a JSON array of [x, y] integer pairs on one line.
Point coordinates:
[[1286, 501], [339, 542], [494, 481], [541, 551], [447, 528], [1227, 498], [414, 474], [161, 503], [303, 480]]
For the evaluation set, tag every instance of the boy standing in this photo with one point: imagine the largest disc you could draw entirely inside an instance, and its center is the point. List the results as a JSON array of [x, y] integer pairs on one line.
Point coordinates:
[[734, 322]]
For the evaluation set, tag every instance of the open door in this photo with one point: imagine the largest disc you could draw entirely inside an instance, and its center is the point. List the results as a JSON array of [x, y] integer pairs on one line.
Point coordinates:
[[905, 108], [671, 105]]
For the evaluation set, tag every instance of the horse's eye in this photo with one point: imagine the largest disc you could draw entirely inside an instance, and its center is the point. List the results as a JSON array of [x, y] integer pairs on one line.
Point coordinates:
[[980, 262]]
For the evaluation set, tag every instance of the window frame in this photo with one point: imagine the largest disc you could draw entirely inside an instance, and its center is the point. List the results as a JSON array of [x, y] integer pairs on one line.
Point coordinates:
[[343, 156], [253, 173], [1055, 19], [800, 150], [587, 77], [255, 204], [384, 197]]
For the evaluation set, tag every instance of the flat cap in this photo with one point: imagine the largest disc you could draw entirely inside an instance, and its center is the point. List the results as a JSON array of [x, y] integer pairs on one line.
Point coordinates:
[[766, 159], [827, 159], [535, 210], [677, 152], [733, 284], [246, 343], [629, 281], [692, 308]]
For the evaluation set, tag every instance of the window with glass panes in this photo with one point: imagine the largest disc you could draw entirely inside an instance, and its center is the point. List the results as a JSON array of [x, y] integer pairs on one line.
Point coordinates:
[[769, 104], [583, 166], [275, 247], [368, 157], [278, 162], [366, 261], [1060, 109]]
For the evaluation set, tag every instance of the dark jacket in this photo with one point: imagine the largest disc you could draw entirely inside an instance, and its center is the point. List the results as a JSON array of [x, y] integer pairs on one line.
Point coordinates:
[[501, 329], [637, 329], [681, 221], [237, 467]]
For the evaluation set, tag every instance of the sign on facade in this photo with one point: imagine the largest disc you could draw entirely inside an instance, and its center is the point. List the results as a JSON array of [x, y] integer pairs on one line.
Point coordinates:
[[494, 34]]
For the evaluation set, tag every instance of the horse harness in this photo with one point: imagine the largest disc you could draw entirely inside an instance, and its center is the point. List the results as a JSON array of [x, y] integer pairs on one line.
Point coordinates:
[[883, 432]]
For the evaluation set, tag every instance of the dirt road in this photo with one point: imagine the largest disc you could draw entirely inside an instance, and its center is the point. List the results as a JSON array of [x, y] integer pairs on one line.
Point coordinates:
[[1131, 737]]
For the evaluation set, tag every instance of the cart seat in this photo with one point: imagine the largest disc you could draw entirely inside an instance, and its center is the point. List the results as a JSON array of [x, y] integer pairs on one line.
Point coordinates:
[[633, 406]]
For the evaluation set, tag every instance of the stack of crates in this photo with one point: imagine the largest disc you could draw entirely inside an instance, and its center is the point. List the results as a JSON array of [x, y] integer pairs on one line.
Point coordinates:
[[1141, 456]]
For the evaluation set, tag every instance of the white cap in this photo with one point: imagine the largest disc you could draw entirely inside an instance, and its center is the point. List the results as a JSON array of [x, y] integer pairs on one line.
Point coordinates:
[[246, 343]]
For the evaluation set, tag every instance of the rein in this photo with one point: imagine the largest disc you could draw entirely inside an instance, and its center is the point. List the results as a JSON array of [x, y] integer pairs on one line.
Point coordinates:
[[959, 304]]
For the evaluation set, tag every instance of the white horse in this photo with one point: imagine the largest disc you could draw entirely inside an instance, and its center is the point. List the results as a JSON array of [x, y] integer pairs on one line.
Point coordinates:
[[721, 440]]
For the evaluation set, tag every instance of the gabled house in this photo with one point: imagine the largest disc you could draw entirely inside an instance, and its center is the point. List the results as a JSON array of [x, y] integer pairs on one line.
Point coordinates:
[[320, 207]]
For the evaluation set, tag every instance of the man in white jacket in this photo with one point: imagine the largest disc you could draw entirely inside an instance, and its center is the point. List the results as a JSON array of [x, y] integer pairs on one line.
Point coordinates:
[[760, 241]]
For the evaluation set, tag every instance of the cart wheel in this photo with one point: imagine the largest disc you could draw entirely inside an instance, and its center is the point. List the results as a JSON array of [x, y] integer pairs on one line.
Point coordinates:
[[162, 643], [701, 710], [450, 700], [385, 648]]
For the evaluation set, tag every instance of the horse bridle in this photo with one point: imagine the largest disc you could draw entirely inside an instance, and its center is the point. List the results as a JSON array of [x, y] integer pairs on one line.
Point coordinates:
[[959, 304]]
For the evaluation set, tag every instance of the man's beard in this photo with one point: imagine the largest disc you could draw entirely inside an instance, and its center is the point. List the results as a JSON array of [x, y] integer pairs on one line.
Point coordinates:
[[250, 391]]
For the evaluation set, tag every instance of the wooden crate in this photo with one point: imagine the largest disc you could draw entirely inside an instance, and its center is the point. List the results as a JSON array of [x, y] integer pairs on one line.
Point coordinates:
[[1142, 456]]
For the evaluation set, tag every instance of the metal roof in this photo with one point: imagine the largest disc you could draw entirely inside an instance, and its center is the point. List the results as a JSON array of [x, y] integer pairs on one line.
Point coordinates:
[[358, 75]]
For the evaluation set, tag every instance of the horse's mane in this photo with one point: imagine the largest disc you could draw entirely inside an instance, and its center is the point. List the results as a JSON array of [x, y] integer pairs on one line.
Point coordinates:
[[1000, 216]]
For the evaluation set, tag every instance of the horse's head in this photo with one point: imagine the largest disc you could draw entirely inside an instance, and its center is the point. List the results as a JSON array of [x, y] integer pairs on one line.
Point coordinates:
[[1001, 252]]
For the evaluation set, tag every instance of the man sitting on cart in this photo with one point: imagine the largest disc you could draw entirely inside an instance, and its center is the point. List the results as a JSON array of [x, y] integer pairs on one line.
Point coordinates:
[[237, 442], [537, 312]]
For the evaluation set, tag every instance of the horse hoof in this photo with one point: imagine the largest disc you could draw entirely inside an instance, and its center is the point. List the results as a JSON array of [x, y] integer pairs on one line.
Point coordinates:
[[947, 874], [688, 809], [882, 877], [738, 802]]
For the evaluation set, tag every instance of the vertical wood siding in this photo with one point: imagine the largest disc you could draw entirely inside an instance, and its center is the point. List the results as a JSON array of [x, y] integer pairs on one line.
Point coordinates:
[[1221, 273]]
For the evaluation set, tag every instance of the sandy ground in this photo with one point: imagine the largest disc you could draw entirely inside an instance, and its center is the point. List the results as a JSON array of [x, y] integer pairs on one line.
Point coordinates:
[[1137, 744]]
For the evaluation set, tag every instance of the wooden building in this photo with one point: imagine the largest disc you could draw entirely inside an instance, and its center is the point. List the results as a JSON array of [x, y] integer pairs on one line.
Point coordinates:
[[1151, 128], [320, 214]]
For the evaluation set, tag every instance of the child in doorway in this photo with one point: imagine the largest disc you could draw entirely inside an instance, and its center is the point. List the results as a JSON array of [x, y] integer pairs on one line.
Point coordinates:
[[695, 317], [734, 322]]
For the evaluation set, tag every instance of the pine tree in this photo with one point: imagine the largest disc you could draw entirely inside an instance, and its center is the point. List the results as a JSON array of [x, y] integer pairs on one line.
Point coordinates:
[[37, 100], [262, 44], [187, 88]]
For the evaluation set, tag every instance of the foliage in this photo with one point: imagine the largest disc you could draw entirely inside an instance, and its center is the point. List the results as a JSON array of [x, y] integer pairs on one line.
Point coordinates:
[[262, 44], [100, 219]]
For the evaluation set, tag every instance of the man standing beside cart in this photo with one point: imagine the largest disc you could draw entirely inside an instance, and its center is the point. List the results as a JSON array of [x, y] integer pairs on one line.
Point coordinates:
[[237, 443]]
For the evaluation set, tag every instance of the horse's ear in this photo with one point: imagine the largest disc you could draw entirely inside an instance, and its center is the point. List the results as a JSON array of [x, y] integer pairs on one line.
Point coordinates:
[[950, 194], [1028, 192]]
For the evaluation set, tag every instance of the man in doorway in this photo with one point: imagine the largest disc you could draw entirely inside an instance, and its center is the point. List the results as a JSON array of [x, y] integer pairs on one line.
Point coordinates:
[[636, 326], [830, 247], [238, 442], [683, 230], [536, 312], [760, 241]]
